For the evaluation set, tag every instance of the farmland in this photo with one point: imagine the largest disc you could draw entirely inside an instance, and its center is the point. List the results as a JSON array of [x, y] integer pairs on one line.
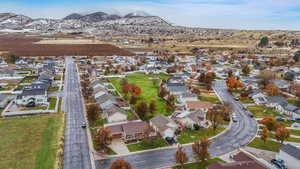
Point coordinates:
[[28, 47]]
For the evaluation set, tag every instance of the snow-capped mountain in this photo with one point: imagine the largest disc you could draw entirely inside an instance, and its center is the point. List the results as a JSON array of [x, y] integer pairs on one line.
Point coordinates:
[[97, 23]]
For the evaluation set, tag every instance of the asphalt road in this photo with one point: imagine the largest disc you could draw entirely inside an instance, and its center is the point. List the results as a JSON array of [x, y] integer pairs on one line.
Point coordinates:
[[76, 150], [239, 134]]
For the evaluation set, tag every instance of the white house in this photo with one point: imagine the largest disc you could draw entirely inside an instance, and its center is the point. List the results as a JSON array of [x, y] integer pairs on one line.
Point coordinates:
[[114, 114], [32, 97], [165, 126], [290, 155]]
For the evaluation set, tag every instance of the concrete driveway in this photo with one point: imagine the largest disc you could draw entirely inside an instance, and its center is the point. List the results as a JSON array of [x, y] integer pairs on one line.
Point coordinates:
[[119, 147]]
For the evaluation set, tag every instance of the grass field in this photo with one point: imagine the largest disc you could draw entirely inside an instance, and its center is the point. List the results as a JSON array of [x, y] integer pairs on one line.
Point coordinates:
[[149, 91], [295, 132], [30, 143], [262, 111], [189, 136], [246, 100], [52, 103], [209, 98], [146, 145], [200, 165], [268, 145]]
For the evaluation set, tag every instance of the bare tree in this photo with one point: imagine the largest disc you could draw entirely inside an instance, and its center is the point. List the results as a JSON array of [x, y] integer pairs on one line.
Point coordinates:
[[181, 157]]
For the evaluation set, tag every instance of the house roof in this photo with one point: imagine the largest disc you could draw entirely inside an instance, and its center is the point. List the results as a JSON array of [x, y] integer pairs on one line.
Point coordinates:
[[198, 105], [280, 83], [188, 94], [254, 92], [291, 150], [290, 107], [177, 88], [33, 92], [113, 110], [277, 99], [161, 122], [129, 128]]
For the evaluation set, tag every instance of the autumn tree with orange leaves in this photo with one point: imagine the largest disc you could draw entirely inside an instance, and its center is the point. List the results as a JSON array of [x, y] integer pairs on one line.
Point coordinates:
[[264, 134], [272, 90], [282, 133], [120, 164], [234, 83]]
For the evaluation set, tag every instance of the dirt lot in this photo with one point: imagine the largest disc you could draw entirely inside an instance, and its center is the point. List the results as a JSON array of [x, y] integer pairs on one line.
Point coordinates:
[[26, 47], [70, 42]]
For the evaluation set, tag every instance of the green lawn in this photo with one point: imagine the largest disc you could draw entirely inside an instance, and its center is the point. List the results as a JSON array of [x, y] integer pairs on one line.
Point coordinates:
[[52, 103], [291, 139], [53, 89], [190, 136], [246, 100], [131, 116], [269, 145], [262, 111], [200, 165], [149, 91], [147, 144], [59, 104], [30, 143], [293, 101], [295, 132], [209, 98], [29, 79], [34, 108]]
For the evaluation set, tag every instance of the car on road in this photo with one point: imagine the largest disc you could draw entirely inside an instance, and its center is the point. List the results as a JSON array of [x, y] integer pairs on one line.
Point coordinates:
[[235, 119], [280, 118], [278, 164], [83, 125], [236, 99]]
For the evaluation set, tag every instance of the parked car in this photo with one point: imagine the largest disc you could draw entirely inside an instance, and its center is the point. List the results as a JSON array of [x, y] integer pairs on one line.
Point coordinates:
[[278, 164], [280, 118], [236, 99], [83, 125], [235, 119]]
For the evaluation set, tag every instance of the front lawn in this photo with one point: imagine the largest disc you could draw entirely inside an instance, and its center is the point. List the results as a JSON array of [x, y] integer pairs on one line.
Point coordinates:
[[190, 136], [268, 145], [53, 89], [246, 100], [209, 98], [295, 132], [149, 91], [262, 111], [147, 144], [34, 108], [52, 102], [30, 143], [291, 139], [200, 165]]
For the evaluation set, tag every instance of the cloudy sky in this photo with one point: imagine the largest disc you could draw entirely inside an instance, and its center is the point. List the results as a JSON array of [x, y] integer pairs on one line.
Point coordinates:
[[237, 14]]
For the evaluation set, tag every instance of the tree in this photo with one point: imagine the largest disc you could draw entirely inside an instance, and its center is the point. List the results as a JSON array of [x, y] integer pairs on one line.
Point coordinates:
[[246, 70], [272, 90], [133, 100], [234, 83], [11, 58], [271, 123], [282, 133], [215, 117], [264, 41], [200, 149], [103, 139], [123, 82], [141, 109], [264, 134], [181, 157], [297, 56], [120, 164], [171, 99], [126, 89], [93, 112], [152, 106], [162, 92]]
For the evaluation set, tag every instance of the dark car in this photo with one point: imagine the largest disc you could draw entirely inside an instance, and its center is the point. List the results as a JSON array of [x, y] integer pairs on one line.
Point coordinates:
[[83, 125], [236, 99], [278, 163], [171, 140]]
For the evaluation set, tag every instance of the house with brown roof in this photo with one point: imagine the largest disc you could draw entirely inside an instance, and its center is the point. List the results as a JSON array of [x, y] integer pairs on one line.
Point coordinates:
[[163, 125], [130, 131], [198, 105], [241, 161]]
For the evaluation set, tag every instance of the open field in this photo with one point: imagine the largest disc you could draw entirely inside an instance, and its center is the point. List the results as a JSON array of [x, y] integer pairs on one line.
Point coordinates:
[[69, 41], [149, 91], [30, 143], [27, 47]]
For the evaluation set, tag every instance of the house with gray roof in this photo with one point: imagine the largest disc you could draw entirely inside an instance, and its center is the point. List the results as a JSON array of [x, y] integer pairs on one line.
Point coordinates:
[[290, 154], [32, 97], [163, 125], [114, 114], [281, 84], [106, 100]]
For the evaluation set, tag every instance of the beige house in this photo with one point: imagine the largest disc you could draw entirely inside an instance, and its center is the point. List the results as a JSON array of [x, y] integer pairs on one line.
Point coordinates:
[[163, 125], [114, 114]]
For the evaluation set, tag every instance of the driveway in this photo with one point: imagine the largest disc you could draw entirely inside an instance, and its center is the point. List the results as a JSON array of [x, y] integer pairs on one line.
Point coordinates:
[[119, 147]]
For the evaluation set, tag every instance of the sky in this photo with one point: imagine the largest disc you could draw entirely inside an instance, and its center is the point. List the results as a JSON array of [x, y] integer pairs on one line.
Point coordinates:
[[229, 14]]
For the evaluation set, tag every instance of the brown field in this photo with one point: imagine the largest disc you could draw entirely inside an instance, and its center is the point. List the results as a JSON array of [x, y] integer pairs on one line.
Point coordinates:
[[26, 47], [69, 42]]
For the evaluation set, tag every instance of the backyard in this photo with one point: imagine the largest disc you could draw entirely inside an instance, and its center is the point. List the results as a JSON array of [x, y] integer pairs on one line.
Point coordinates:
[[30, 143], [149, 91], [189, 136]]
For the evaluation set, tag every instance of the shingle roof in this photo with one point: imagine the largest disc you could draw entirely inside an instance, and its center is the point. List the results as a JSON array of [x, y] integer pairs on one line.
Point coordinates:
[[277, 99], [33, 92], [291, 150], [161, 122]]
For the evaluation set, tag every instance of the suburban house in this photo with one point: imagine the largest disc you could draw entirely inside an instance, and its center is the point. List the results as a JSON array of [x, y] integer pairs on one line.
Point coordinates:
[[114, 114], [32, 97], [198, 105], [106, 100], [176, 88], [187, 97], [39, 85], [258, 96], [129, 131], [276, 102], [191, 119], [241, 161], [165, 126], [290, 155], [281, 84]]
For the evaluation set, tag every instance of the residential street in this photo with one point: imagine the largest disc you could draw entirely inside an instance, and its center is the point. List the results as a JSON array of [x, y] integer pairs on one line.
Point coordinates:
[[76, 150], [239, 134]]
